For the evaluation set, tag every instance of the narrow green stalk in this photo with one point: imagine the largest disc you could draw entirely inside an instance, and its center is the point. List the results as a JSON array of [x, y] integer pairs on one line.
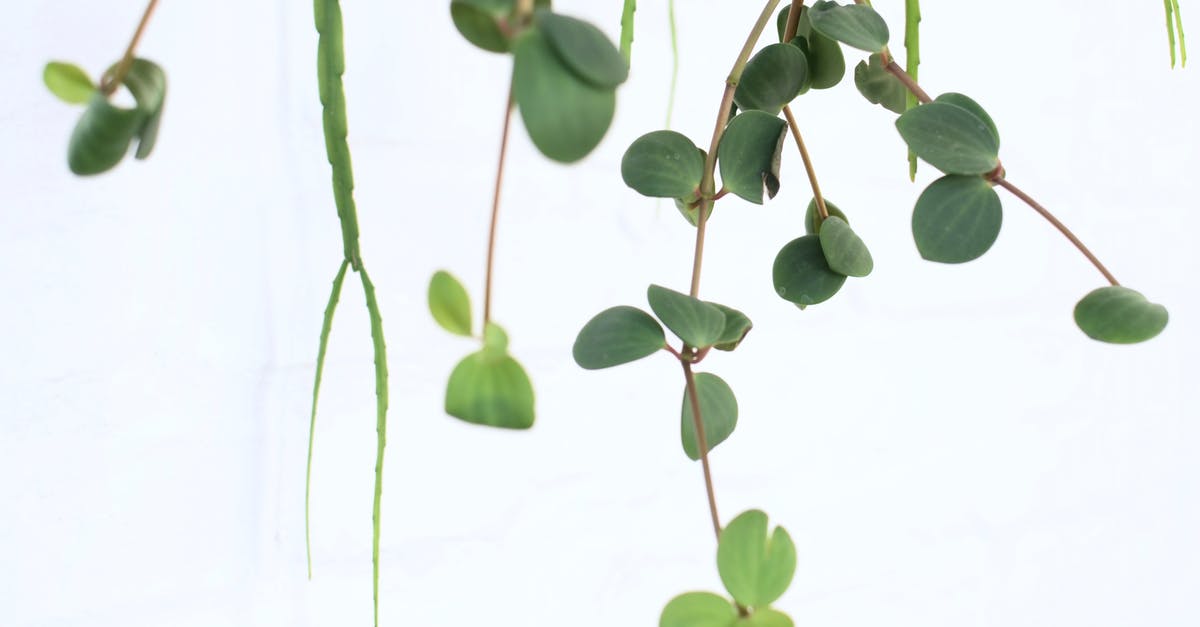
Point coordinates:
[[331, 64], [912, 47], [1175, 24], [381, 407], [674, 60], [627, 29], [326, 327]]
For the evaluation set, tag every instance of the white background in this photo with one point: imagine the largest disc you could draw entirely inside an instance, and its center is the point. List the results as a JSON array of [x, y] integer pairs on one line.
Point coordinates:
[[945, 447]]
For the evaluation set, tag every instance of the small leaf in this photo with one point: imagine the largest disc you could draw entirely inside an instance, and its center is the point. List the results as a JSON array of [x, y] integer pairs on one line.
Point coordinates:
[[737, 325], [585, 49], [749, 155], [68, 82], [756, 569], [718, 413], [772, 79], [617, 336], [449, 303], [148, 84], [1119, 315], [663, 164], [696, 322], [880, 86], [952, 139], [844, 250], [802, 275], [856, 25], [812, 217], [490, 389], [826, 62], [102, 136], [479, 22], [957, 219], [766, 617], [566, 116], [698, 609], [964, 102], [495, 339]]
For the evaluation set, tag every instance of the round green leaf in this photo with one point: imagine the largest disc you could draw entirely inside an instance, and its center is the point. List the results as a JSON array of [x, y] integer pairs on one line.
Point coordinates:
[[812, 217], [698, 609], [1119, 315], [755, 568], [68, 82], [566, 116], [449, 303], [826, 62], [749, 155], [880, 86], [737, 325], [490, 388], [957, 219], [479, 22], [951, 138], [663, 164], [964, 102], [148, 84], [802, 275], [766, 617], [856, 25], [697, 323], [773, 77], [102, 136], [718, 413], [495, 339], [617, 336], [844, 250], [585, 49]]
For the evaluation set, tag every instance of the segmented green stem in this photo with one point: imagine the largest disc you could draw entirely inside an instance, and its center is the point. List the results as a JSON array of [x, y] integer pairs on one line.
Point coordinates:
[[326, 327], [381, 407], [627, 29], [912, 48]]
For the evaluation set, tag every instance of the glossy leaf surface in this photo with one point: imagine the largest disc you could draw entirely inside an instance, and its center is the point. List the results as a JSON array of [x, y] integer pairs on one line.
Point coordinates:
[[802, 275], [68, 82], [698, 609], [856, 25], [617, 336], [663, 164], [755, 567], [844, 249], [1119, 315], [952, 139], [492, 389], [773, 77], [449, 303], [718, 413], [585, 49], [957, 219], [697, 323], [749, 155]]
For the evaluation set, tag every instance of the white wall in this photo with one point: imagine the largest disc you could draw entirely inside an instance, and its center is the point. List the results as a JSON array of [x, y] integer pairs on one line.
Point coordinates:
[[944, 445]]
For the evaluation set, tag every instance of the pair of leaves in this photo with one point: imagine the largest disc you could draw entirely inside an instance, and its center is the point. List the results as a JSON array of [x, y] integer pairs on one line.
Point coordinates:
[[104, 132], [488, 387], [812, 268], [705, 609], [826, 63], [953, 134]]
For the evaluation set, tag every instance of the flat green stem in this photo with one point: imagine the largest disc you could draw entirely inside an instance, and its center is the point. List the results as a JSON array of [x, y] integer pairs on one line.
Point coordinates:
[[627, 29], [326, 327], [331, 64], [381, 407]]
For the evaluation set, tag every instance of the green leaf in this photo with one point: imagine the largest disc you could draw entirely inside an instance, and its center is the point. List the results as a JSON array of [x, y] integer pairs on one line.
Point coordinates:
[[749, 155], [102, 136], [566, 116], [856, 25], [1119, 315], [880, 86], [773, 77], [585, 49], [449, 303], [802, 275], [718, 412], [756, 569], [964, 102], [617, 336], [844, 250], [826, 62], [812, 217], [488, 388], [737, 325], [68, 82], [957, 219], [766, 617], [663, 164], [479, 22], [952, 139], [696, 322], [148, 84], [698, 609], [495, 339]]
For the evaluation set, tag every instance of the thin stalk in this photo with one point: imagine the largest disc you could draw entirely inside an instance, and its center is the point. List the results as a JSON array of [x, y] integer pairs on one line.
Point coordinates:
[[912, 50], [908, 81], [674, 60], [793, 20], [808, 165], [1062, 228], [110, 83], [381, 407], [702, 445], [491, 249]]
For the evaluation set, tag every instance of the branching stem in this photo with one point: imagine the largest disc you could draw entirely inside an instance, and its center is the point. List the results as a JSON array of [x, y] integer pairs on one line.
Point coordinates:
[[111, 82]]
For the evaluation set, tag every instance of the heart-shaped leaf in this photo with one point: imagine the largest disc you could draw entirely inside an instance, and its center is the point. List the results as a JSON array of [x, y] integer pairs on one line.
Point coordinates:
[[880, 86], [755, 568], [856, 25], [812, 217], [749, 155], [802, 275], [844, 250], [737, 325], [585, 49], [490, 388], [617, 336], [698, 609], [1119, 315], [773, 77], [449, 303], [718, 413], [566, 116], [697, 323], [952, 139], [663, 164], [957, 219], [68, 82]]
